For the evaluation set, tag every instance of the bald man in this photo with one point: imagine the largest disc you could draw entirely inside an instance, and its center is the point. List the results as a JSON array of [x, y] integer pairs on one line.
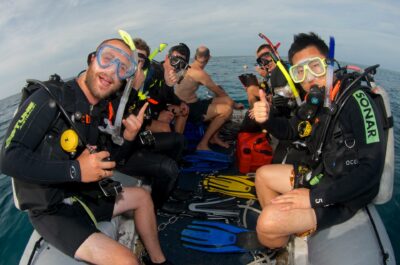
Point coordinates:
[[216, 110]]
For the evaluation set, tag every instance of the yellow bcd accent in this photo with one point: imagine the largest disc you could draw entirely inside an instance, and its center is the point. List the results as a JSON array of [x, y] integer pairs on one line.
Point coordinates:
[[69, 141], [304, 128]]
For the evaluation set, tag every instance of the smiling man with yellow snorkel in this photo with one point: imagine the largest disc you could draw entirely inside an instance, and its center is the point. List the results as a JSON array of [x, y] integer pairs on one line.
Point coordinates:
[[63, 192], [319, 187]]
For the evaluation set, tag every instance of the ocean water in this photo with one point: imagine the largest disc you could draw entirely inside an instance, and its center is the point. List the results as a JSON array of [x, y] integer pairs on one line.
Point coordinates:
[[16, 229]]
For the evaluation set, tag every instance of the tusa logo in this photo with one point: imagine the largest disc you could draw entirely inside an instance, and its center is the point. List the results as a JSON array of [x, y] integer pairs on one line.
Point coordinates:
[[371, 129]]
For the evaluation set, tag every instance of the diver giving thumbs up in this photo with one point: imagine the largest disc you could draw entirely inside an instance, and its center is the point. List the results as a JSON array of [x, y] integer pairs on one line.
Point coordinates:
[[261, 108]]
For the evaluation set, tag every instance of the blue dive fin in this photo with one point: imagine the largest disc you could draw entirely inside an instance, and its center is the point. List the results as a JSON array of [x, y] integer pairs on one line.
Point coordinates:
[[216, 237], [204, 167], [208, 155]]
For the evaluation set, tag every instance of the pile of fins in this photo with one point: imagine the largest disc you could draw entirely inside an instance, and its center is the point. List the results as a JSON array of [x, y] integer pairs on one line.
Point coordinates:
[[235, 186], [206, 161], [217, 237], [217, 208]]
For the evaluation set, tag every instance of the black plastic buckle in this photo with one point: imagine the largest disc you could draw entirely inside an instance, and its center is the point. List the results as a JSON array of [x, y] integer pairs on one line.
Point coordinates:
[[110, 187], [147, 138]]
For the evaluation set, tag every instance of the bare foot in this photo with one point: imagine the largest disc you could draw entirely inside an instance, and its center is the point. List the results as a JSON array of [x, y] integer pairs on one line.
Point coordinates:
[[203, 147], [216, 140]]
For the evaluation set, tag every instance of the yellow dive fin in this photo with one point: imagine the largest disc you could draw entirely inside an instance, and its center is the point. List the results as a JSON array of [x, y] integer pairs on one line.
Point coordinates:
[[236, 186]]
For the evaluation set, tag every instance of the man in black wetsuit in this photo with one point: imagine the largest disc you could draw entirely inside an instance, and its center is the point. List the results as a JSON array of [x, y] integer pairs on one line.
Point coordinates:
[[54, 185], [156, 160], [310, 194], [159, 84]]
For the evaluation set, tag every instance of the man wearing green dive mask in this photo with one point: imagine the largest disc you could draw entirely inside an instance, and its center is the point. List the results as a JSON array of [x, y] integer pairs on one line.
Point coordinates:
[[331, 175]]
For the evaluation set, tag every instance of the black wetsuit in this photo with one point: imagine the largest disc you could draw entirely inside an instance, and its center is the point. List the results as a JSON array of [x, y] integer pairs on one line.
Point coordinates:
[[44, 175], [158, 90], [351, 171], [158, 162]]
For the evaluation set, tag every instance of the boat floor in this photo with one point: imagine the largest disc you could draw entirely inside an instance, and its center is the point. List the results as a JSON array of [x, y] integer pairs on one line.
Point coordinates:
[[170, 236]]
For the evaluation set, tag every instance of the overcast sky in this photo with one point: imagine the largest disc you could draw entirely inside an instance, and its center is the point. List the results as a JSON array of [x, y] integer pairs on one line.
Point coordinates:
[[38, 38]]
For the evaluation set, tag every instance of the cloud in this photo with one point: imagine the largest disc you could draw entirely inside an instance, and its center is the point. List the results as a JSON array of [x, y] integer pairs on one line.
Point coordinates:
[[43, 37]]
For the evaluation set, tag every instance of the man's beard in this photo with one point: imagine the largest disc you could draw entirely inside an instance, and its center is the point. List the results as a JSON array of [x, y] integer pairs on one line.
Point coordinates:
[[91, 84]]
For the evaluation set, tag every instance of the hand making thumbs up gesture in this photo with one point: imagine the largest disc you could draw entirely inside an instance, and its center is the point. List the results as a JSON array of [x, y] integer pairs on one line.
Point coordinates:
[[261, 108]]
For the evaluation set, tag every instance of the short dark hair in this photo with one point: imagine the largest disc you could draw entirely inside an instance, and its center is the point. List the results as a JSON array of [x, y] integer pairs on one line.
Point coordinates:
[[182, 48], [141, 45], [303, 40], [263, 46]]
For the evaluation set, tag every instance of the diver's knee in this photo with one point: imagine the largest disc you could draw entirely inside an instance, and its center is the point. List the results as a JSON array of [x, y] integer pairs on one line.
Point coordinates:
[[169, 168], [268, 222], [225, 111], [179, 141], [262, 176], [230, 102]]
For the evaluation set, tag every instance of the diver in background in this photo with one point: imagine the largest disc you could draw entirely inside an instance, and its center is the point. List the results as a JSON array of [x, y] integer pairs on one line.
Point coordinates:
[[216, 110], [159, 86], [154, 155]]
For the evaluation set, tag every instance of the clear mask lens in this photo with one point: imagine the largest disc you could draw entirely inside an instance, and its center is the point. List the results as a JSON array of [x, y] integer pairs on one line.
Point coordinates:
[[264, 60], [108, 55], [178, 63], [314, 66]]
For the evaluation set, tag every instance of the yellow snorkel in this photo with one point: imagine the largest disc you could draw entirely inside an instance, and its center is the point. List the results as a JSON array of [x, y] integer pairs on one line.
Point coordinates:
[[127, 39], [160, 48], [275, 56]]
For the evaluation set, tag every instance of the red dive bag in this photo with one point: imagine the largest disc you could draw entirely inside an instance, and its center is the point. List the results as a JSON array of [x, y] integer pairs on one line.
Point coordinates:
[[252, 151]]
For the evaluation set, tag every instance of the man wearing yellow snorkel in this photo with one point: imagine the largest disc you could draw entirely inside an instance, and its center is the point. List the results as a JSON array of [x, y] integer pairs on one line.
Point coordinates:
[[318, 187], [63, 192]]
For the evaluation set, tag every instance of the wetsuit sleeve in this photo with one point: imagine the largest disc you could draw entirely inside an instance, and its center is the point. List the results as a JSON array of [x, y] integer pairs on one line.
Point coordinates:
[[358, 184], [25, 134]]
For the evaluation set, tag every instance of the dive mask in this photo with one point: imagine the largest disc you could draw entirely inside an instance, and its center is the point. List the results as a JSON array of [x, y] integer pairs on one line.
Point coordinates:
[[177, 62], [315, 66], [263, 60], [143, 58], [125, 64]]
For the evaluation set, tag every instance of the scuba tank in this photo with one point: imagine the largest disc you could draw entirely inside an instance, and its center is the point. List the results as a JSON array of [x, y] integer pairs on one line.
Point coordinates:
[[387, 178], [381, 100]]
